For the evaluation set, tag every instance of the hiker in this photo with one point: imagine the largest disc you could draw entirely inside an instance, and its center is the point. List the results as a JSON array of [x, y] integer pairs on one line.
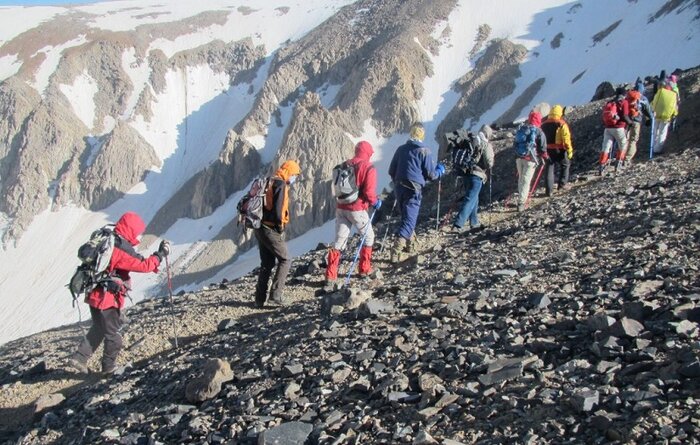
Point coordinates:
[[411, 166], [615, 120], [665, 108], [270, 235], [639, 111], [657, 81], [107, 301], [559, 148], [352, 212], [530, 145], [474, 179]]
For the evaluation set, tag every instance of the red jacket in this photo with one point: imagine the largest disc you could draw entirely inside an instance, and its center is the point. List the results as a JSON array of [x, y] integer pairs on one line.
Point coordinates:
[[124, 260], [366, 176]]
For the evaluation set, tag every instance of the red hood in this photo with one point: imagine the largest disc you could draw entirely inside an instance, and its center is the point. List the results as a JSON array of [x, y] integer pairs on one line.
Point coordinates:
[[364, 151], [534, 118], [129, 227]]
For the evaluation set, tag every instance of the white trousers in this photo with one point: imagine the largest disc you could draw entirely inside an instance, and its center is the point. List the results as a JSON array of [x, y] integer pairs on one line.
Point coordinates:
[[345, 220]]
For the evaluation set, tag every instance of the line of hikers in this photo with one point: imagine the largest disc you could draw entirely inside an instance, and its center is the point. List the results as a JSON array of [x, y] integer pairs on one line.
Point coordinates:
[[104, 276]]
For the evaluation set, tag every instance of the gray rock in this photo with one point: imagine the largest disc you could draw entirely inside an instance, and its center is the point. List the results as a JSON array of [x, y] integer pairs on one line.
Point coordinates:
[[539, 301], [374, 307], [290, 433], [585, 400], [225, 325], [645, 288], [600, 322], [627, 327], [48, 401], [214, 373]]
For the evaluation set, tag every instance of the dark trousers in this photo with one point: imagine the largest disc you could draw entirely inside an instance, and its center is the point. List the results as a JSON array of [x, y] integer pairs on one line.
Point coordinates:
[[559, 161], [105, 327], [470, 204], [409, 205], [273, 249]]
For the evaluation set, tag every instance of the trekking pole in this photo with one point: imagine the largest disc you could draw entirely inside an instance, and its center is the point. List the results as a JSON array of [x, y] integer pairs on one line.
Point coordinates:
[[437, 217], [170, 293], [362, 242], [386, 232], [534, 186], [651, 137], [490, 202]]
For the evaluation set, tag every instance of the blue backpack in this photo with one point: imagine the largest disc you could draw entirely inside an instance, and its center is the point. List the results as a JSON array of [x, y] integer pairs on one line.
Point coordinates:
[[525, 143]]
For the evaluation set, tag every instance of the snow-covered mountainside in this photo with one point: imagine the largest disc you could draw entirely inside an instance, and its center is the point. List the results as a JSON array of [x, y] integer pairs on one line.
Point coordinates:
[[171, 108]]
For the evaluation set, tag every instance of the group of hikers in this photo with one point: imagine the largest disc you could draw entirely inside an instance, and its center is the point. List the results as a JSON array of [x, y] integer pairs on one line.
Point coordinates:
[[624, 114], [547, 143]]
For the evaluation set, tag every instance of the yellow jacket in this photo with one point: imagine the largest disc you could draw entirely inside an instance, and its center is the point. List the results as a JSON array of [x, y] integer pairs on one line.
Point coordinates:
[[665, 105], [559, 135]]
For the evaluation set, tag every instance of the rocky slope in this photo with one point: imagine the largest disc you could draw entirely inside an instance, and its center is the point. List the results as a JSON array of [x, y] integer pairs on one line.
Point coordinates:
[[576, 321]]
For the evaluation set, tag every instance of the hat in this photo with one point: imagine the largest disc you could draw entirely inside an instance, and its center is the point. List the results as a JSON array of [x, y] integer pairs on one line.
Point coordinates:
[[417, 132], [634, 95], [620, 91], [534, 118]]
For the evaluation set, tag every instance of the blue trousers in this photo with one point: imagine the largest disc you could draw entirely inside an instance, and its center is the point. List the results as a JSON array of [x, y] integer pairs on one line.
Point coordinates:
[[470, 205], [409, 206]]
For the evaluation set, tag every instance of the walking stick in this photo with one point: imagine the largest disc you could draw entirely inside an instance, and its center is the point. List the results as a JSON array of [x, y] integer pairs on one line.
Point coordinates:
[[490, 202], [386, 232], [437, 218], [534, 186], [170, 293], [362, 242]]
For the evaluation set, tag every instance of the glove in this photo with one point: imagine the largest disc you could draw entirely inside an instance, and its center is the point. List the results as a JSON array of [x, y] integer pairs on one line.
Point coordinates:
[[439, 170], [164, 249], [377, 205], [545, 156], [569, 153]]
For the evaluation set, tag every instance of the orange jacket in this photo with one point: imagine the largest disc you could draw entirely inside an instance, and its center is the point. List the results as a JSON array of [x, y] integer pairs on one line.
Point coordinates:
[[276, 209]]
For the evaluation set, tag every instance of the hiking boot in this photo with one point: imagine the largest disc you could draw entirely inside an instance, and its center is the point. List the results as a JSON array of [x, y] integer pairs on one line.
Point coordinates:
[[397, 250], [411, 244], [259, 302], [279, 302], [521, 207], [330, 286], [564, 187], [75, 364], [619, 166]]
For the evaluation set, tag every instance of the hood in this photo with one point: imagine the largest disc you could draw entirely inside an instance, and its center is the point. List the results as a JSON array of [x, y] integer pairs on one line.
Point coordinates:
[[288, 169], [364, 150], [534, 118], [633, 96], [556, 112], [129, 227]]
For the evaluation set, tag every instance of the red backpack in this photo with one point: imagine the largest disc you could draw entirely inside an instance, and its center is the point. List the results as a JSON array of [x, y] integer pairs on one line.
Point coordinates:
[[611, 113]]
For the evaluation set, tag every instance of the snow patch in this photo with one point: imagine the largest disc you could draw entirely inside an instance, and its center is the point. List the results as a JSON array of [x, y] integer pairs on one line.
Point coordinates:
[[9, 66], [48, 66], [138, 71], [81, 95], [328, 93]]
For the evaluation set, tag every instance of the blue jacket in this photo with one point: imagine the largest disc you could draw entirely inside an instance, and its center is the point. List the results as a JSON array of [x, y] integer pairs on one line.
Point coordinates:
[[412, 162]]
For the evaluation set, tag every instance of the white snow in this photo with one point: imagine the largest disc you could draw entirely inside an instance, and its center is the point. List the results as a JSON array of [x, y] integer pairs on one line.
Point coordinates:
[[16, 19], [138, 71], [198, 107], [81, 96], [9, 65], [48, 66]]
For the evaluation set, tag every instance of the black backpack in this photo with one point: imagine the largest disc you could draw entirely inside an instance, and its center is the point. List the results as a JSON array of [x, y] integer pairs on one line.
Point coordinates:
[[94, 256], [466, 151], [250, 207]]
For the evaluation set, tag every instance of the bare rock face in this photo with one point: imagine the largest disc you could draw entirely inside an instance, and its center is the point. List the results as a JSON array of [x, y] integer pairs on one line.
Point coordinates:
[[316, 140], [17, 100], [50, 147], [123, 161], [492, 79]]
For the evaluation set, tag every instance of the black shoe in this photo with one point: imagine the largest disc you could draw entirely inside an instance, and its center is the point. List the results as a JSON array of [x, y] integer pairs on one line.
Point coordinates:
[[259, 302], [477, 229]]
